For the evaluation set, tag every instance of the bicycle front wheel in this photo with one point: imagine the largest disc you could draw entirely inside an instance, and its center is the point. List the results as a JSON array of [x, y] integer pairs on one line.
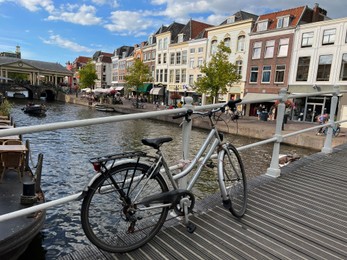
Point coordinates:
[[110, 217], [232, 180]]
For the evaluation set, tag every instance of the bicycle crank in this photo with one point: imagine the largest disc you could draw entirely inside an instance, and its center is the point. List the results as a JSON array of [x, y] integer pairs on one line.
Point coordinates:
[[185, 198]]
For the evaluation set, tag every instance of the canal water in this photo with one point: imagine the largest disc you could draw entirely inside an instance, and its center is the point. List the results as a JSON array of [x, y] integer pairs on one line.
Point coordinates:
[[66, 167]]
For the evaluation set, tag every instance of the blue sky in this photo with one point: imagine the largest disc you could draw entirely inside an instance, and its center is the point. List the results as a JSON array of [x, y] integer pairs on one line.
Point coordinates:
[[60, 31]]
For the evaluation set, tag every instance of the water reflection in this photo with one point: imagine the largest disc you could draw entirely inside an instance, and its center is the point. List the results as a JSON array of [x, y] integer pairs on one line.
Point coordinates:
[[66, 168]]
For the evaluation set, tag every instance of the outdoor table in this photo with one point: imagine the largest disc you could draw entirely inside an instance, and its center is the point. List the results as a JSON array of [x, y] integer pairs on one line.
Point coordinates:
[[10, 137], [6, 121], [13, 148]]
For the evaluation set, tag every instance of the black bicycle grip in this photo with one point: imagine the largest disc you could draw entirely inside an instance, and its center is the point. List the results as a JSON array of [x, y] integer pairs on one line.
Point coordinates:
[[186, 114]]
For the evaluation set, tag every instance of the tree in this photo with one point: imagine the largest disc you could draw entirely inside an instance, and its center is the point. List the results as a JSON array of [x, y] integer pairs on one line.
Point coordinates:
[[87, 75], [219, 73], [137, 74]]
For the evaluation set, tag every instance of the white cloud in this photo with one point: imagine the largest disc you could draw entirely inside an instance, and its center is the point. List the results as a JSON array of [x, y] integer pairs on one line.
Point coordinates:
[[57, 40], [36, 5], [84, 15], [127, 22]]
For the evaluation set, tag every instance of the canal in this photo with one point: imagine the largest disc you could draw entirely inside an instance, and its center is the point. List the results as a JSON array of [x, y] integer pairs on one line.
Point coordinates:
[[66, 167]]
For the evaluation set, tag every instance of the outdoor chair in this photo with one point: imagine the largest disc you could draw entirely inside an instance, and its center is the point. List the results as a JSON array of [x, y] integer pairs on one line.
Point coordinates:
[[12, 160], [12, 142]]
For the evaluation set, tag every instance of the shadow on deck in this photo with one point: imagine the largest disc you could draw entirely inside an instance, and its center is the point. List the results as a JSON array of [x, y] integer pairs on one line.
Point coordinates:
[[300, 215]]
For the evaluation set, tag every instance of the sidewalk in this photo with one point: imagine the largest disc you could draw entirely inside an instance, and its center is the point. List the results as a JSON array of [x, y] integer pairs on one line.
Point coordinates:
[[246, 126]]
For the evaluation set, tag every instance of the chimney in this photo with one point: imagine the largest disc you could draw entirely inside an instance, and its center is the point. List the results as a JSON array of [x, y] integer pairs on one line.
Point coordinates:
[[318, 13], [18, 54]]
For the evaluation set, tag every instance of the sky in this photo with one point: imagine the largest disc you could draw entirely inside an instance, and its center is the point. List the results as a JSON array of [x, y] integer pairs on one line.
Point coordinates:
[[60, 31]]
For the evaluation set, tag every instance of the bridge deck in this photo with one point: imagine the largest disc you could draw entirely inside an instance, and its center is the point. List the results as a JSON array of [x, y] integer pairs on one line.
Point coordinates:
[[300, 215]]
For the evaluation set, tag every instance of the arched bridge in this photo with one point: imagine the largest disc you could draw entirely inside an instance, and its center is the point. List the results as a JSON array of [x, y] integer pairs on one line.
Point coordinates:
[[49, 92]]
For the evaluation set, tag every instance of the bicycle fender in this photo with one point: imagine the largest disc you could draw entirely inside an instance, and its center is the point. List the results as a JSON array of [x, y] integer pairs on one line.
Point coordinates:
[[97, 175]]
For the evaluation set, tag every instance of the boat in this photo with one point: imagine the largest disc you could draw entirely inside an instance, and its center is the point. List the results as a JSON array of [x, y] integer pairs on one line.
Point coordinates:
[[35, 109], [17, 193], [104, 108]]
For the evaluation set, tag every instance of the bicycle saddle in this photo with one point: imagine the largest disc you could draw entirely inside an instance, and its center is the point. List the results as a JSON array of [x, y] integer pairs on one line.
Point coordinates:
[[156, 142]]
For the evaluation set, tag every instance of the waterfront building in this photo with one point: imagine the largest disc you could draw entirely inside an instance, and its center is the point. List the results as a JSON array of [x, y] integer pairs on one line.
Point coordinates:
[[271, 43], [180, 57], [103, 67], [319, 62], [76, 65], [118, 70], [234, 31]]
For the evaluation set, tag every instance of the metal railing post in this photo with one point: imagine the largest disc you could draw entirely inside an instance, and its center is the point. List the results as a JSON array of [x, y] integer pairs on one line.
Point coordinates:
[[186, 131], [274, 169], [327, 148]]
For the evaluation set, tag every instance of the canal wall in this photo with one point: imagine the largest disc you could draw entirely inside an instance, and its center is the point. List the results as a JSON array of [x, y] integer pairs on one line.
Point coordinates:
[[249, 126]]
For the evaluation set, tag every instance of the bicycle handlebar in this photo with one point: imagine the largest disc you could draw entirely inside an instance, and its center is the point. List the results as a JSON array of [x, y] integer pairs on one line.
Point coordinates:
[[231, 104]]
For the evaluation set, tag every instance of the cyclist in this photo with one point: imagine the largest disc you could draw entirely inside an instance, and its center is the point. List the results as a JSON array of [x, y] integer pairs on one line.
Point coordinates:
[[322, 119]]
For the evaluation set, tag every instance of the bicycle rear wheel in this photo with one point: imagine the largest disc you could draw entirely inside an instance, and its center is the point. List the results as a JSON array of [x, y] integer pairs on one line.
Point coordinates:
[[233, 180], [110, 217]]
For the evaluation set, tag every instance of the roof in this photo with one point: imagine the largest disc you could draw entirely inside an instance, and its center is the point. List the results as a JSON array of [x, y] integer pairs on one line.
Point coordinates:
[[192, 30], [175, 29], [41, 65], [295, 14], [241, 16], [82, 59]]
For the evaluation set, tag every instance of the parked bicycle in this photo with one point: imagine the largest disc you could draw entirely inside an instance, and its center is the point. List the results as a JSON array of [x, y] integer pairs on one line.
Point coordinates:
[[127, 202], [324, 130]]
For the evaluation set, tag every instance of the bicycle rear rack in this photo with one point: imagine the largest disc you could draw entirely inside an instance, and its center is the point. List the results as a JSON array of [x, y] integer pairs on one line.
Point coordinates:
[[117, 156]]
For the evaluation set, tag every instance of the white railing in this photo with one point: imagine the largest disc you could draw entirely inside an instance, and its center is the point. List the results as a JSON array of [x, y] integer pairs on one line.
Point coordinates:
[[273, 170]]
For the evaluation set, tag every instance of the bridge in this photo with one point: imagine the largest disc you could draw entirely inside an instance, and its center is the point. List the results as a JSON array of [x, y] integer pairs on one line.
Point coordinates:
[[299, 215], [48, 92]]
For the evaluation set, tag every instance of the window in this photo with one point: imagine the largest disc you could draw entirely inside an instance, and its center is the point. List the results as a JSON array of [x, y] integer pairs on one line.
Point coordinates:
[[283, 22], [279, 76], [283, 47], [303, 68], [254, 75], [262, 26], [343, 73], [178, 76], [241, 43], [165, 75], [178, 58], [227, 42], [165, 44], [239, 67], [192, 50], [269, 49], [191, 80], [184, 76], [324, 66], [307, 39], [160, 44], [200, 49], [172, 58], [164, 58], [153, 55], [171, 76], [200, 62], [266, 74], [159, 58], [213, 47], [180, 37], [329, 36], [191, 63], [184, 57], [256, 50]]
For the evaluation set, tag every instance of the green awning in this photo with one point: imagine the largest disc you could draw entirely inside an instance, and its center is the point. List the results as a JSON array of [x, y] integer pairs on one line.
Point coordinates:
[[145, 88]]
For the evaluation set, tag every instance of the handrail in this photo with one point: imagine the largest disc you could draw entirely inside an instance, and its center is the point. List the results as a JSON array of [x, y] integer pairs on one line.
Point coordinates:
[[277, 138]]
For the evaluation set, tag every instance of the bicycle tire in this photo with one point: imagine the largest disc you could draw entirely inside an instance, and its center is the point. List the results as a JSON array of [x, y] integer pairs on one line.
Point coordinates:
[[234, 180], [103, 212]]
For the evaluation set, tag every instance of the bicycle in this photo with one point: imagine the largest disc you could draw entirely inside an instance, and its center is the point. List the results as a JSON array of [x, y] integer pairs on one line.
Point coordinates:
[[324, 130], [127, 202]]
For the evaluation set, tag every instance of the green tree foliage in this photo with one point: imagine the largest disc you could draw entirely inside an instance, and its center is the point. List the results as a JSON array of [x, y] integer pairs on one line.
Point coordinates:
[[137, 74], [5, 107], [219, 73], [88, 75], [17, 77]]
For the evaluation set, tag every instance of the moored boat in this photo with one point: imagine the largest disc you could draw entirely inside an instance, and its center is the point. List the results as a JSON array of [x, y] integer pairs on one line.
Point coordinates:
[[20, 188], [104, 108]]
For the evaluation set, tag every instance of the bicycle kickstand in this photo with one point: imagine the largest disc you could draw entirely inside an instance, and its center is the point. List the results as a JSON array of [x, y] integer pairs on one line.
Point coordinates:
[[189, 225]]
